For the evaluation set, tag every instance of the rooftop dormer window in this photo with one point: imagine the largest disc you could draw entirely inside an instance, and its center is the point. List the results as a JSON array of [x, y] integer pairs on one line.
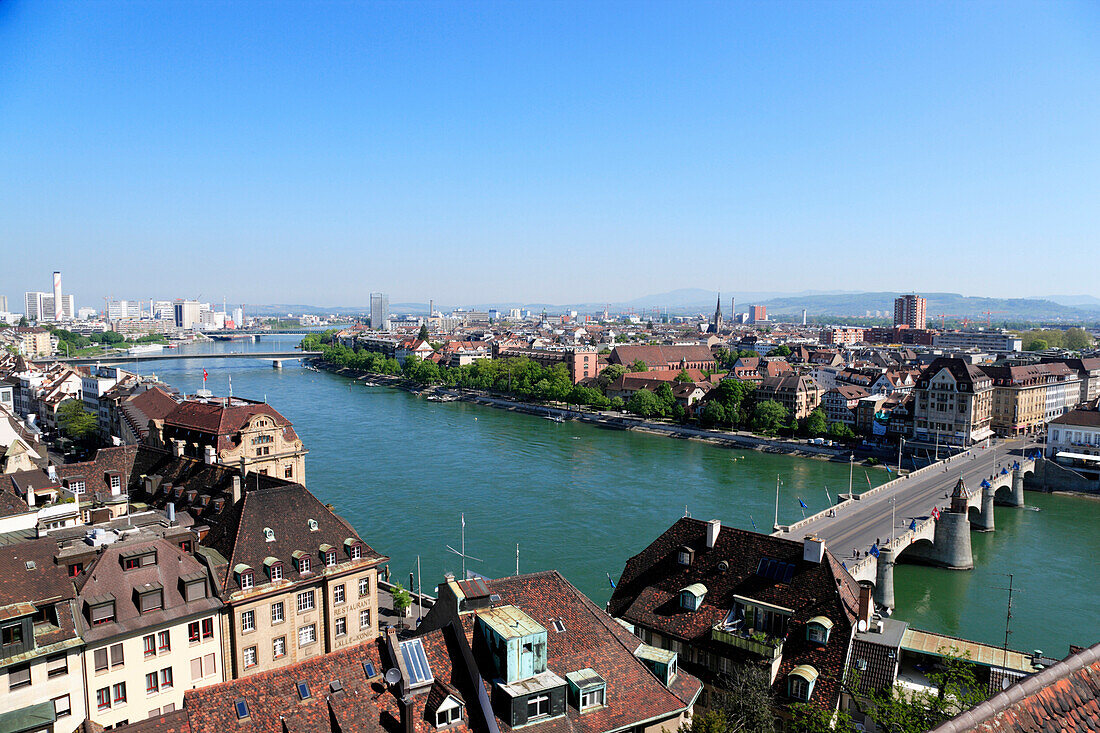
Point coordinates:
[[817, 630], [684, 555], [301, 561], [330, 558], [246, 579], [150, 598], [800, 682], [274, 569], [449, 712], [691, 598], [102, 612]]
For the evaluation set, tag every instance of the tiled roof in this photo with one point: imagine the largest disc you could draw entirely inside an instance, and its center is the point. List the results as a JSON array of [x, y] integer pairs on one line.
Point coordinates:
[[152, 404], [216, 417], [1063, 697], [658, 355], [1080, 418], [648, 594], [590, 639], [106, 577], [356, 703], [238, 533]]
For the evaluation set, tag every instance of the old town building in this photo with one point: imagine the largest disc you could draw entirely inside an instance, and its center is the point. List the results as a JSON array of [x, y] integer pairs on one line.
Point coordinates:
[[952, 404], [798, 393]]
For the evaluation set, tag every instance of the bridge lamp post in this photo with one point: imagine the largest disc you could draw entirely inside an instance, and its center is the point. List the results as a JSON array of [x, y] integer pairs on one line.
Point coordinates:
[[901, 445]]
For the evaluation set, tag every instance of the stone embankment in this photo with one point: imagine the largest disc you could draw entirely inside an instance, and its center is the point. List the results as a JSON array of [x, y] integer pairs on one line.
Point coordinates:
[[605, 418]]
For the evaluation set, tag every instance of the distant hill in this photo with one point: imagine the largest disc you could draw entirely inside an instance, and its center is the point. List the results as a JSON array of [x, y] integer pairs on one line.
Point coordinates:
[[951, 304]]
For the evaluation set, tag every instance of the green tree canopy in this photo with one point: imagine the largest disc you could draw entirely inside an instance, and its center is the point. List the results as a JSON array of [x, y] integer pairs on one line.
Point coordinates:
[[75, 421], [423, 335], [1037, 345], [768, 417], [781, 350], [815, 423], [683, 376], [638, 366], [645, 403]]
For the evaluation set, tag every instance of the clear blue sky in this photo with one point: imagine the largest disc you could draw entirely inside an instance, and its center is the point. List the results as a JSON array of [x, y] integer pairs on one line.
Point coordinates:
[[555, 152]]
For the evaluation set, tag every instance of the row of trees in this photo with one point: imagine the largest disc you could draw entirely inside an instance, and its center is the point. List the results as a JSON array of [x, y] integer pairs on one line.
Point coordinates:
[[731, 404], [1039, 339], [68, 340]]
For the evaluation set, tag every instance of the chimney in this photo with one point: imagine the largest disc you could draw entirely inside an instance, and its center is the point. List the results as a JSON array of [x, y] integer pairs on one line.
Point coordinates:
[[866, 606], [243, 469], [58, 313], [177, 448], [51, 471], [714, 526], [813, 549], [171, 512], [209, 456], [408, 717], [237, 489], [30, 496]]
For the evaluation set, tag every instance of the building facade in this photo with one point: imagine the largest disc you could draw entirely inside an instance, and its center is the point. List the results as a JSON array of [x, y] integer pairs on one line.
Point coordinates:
[[911, 311], [952, 404]]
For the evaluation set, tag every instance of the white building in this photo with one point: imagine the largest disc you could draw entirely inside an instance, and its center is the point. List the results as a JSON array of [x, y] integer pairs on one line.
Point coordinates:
[[117, 309], [187, 313]]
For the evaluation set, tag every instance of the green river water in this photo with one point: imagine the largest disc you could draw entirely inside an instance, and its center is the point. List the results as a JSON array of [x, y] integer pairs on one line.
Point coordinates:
[[583, 499]]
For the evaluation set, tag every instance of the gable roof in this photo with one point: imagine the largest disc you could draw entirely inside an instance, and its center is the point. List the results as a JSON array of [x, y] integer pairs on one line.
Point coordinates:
[[224, 417]]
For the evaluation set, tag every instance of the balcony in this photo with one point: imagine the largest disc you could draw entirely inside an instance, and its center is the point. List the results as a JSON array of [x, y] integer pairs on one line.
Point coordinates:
[[756, 642]]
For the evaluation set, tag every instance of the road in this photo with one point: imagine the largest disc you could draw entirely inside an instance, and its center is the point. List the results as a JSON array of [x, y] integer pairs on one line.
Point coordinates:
[[859, 524]]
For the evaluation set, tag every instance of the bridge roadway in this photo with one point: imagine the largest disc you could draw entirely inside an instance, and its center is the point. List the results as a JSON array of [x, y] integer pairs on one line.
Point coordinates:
[[279, 356], [852, 527]]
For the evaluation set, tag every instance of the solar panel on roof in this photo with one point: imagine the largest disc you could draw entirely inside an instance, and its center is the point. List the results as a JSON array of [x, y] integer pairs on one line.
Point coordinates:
[[416, 661], [788, 575]]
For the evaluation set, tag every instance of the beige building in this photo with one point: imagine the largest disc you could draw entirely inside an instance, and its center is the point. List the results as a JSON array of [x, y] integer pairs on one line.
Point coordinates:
[[297, 580], [152, 625], [798, 393], [953, 404], [233, 432], [33, 342]]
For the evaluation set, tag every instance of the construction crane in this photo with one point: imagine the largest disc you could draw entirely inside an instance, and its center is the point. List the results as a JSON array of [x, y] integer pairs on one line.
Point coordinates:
[[943, 319], [988, 317]]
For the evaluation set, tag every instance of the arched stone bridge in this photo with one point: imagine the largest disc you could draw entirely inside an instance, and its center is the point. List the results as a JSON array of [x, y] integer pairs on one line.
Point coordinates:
[[899, 518]]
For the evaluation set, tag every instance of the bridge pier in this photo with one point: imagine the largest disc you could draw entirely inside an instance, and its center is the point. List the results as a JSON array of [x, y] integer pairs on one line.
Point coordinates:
[[985, 515], [1016, 498], [884, 578], [952, 543], [276, 363]]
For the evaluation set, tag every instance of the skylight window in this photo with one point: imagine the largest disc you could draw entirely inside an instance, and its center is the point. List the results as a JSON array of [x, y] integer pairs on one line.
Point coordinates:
[[368, 669], [780, 572], [558, 625], [416, 661], [303, 690], [242, 709]]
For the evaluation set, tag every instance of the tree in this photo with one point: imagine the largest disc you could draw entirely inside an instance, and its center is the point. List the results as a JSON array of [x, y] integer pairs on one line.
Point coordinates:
[[23, 322], [1037, 345], [713, 414], [666, 398], [812, 719], [75, 421], [781, 350], [423, 335], [402, 600], [815, 424], [841, 430], [683, 376], [645, 403], [746, 700], [1077, 339], [638, 366], [768, 417], [610, 373]]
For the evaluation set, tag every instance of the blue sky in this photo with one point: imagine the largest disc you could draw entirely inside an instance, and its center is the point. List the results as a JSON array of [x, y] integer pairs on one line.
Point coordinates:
[[554, 152]]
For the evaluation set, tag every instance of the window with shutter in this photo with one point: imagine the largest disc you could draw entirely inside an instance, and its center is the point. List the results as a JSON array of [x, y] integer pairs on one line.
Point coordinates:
[[117, 659], [100, 659]]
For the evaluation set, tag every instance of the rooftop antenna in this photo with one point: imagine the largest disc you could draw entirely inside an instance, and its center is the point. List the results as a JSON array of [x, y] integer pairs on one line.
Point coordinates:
[[517, 558], [462, 553], [1008, 622]]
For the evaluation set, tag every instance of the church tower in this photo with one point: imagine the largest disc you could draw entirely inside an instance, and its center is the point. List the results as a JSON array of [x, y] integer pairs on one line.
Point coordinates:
[[716, 323]]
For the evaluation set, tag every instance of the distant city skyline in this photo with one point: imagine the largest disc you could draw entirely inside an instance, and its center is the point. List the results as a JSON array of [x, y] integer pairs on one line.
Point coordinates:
[[547, 151]]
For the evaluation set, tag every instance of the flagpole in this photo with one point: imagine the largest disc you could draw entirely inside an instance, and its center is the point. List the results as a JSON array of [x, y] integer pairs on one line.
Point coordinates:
[[463, 516], [776, 525], [851, 467]]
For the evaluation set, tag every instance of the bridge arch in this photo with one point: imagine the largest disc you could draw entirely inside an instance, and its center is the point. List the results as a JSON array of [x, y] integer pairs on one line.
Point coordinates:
[[921, 551]]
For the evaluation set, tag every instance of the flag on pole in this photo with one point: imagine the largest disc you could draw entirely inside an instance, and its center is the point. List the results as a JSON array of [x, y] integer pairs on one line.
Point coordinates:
[[874, 549], [609, 580], [204, 375], [753, 521], [935, 512], [868, 479], [829, 498], [802, 504], [463, 517], [889, 471], [913, 524]]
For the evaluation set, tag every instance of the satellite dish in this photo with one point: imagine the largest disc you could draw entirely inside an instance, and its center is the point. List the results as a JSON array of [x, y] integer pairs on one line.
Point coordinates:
[[393, 676], [862, 625]]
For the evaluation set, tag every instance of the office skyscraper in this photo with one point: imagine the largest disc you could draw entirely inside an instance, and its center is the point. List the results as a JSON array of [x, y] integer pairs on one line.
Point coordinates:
[[380, 311]]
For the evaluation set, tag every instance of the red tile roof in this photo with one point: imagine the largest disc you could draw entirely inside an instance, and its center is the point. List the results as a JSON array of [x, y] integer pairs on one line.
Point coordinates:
[[1063, 697], [224, 417]]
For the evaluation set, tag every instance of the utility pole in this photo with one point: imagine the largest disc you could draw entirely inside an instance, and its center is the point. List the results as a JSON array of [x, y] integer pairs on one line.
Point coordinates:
[[851, 467], [775, 527], [901, 444]]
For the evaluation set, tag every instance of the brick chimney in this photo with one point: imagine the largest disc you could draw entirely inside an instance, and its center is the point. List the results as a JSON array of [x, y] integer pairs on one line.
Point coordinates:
[[866, 605], [408, 714], [236, 489]]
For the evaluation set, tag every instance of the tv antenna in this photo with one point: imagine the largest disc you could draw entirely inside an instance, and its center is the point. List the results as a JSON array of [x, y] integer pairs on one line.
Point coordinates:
[[1008, 619], [462, 553]]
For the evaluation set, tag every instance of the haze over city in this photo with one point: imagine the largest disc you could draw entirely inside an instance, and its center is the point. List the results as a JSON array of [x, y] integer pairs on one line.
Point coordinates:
[[547, 152]]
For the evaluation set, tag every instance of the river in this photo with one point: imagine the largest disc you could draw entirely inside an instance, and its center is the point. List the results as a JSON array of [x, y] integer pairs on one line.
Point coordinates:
[[583, 499]]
